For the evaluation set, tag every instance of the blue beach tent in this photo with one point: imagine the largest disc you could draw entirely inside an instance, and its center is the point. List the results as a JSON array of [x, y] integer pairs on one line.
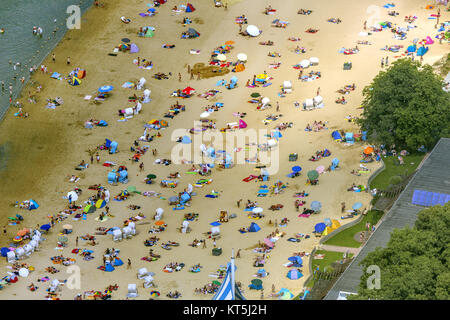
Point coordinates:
[[254, 227]]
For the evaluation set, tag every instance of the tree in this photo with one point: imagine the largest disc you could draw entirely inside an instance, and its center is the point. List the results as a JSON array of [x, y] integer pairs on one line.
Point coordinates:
[[416, 262], [406, 105]]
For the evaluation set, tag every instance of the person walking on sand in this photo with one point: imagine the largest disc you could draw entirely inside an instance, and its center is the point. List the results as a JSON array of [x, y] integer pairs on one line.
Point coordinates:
[[342, 207], [139, 61], [129, 264], [76, 242], [239, 203], [141, 166], [278, 106], [68, 60], [204, 243], [92, 159], [382, 62], [53, 57], [365, 25], [179, 77], [238, 254], [192, 75], [97, 156], [387, 61], [318, 91], [189, 69]]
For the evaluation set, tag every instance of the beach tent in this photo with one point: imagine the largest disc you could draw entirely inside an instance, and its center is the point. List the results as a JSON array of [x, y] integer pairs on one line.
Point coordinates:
[[294, 274], [109, 267], [240, 67], [335, 224], [242, 124], [285, 294], [336, 135], [228, 290], [190, 8], [45, 227], [113, 146], [349, 137], [75, 81], [134, 48], [421, 51], [123, 176], [117, 262], [327, 231], [297, 261], [33, 205], [412, 48], [316, 206], [334, 163], [102, 123], [100, 204], [149, 33], [193, 33], [254, 227]]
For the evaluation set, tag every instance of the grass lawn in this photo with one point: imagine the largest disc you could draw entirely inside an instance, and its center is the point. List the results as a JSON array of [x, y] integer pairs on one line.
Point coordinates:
[[345, 238], [325, 263], [382, 181]]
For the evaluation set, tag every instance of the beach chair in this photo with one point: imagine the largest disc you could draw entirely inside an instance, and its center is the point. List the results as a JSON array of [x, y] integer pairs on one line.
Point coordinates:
[[148, 281], [20, 253], [126, 231], [28, 250], [117, 235], [132, 290], [11, 257], [142, 273]]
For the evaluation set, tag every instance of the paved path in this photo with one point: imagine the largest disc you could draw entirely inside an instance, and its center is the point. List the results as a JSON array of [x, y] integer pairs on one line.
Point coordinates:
[[355, 251]]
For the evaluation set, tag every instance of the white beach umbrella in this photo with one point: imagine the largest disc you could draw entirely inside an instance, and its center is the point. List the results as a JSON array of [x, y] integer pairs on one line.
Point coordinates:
[[363, 34], [221, 57], [318, 99], [23, 272], [242, 57], [253, 30], [272, 142], [205, 114], [257, 210], [73, 194], [309, 102], [265, 100], [305, 63], [159, 211]]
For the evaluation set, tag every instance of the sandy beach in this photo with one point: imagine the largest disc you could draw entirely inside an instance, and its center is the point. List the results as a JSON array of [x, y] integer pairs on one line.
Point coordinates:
[[47, 146]]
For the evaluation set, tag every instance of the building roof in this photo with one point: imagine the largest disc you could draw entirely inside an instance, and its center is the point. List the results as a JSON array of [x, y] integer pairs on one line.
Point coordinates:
[[433, 176]]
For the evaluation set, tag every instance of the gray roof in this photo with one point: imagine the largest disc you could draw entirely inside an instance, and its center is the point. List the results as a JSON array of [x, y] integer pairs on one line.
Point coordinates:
[[434, 176]]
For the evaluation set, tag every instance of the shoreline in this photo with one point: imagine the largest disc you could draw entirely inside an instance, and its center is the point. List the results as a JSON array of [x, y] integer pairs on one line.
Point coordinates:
[[58, 141]]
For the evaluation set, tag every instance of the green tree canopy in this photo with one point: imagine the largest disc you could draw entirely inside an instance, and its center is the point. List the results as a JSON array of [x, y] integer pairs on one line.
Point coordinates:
[[416, 262], [406, 105]]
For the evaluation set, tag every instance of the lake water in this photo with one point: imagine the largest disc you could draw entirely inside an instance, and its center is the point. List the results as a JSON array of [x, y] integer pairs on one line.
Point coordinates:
[[18, 44]]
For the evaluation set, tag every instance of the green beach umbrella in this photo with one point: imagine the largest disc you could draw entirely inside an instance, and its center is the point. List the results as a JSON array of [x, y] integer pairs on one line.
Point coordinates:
[[255, 95], [151, 176], [217, 283], [313, 175], [257, 282]]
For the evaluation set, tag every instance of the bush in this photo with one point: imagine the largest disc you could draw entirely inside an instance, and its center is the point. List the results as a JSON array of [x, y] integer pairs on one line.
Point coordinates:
[[395, 180]]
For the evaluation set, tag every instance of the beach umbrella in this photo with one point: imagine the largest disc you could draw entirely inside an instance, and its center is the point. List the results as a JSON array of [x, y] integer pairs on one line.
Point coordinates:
[[305, 63], [257, 210], [173, 199], [205, 114], [242, 57], [72, 195], [313, 175], [23, 272], [368, 150], [100, 203], [320, 169], [229, 42], [268, 242], [221, 57], [4, 251], [159, 223], [17, 239], [188, 90], [316, 206], [215, 223], [314, 60], [186, 140], [296, 169], [357, 205], [255, 95], [320, 227], [104, 89], [215, 282], [45, 227], [257, 282], [296, 260], [67, 227], [151, 176], [75, 81], [277, 134], [89, 208], [253, 30], [261, 76], [294, 274], [22, 232], [155, 294], [126, 40], [62, 239]]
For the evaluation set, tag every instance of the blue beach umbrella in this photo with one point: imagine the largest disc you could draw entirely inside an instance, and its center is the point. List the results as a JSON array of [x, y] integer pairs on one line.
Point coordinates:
[[215, 223], [296, 260], [4, 251], [316, 205], [357, 205], [296, 169], [104, 89], [320, 227], [45, 227], [186, 140]]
